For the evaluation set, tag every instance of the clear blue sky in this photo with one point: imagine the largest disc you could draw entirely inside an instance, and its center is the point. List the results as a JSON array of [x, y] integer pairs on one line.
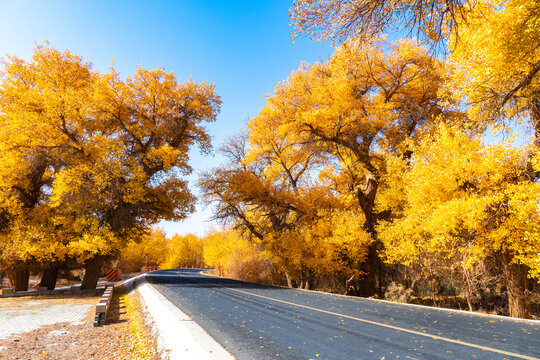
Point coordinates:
[[243, 47]]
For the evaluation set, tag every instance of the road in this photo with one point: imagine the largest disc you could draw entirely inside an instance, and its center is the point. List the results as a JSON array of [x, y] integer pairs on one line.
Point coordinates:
[[254, 321]]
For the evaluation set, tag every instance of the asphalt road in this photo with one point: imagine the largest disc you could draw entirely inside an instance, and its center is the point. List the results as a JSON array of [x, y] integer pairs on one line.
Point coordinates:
[[254, 321]]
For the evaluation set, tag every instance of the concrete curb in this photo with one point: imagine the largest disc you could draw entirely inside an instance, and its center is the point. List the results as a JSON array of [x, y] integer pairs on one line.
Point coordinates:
[[102, 307], [177, 335]]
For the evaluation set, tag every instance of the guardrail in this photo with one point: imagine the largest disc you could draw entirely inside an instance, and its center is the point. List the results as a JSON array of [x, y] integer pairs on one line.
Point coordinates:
[[102, 307]]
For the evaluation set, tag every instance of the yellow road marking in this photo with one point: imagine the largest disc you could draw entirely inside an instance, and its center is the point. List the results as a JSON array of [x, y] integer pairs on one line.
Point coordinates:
[[436, 337]]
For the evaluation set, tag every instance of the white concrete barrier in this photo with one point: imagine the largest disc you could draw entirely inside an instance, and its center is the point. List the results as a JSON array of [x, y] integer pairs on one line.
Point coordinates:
[[102, 307]]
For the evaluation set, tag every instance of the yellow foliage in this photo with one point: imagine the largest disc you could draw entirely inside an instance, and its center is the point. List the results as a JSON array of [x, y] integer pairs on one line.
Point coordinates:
[[185, 251], [465, 200], [497, 59], [91, 160], [334, 245], [140, 344], [233, 255], [154, 247], [305, 182]]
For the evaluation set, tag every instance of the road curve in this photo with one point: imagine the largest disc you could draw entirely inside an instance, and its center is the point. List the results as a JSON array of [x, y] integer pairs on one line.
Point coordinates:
[[255, 321]]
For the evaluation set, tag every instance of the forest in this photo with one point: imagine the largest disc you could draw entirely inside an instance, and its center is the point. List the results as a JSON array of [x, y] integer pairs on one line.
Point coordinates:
[[404, 167]]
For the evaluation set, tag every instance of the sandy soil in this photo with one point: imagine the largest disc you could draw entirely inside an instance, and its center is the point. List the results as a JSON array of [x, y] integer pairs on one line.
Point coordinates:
[[82, 341]]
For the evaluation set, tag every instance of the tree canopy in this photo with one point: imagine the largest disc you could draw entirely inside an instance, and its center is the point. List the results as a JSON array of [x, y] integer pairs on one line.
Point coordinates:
[[378, 154], [431, 20], [93, 159]]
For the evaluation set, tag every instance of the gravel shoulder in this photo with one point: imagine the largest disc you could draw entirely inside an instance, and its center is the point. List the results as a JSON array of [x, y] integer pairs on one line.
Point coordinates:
[[74, 337]]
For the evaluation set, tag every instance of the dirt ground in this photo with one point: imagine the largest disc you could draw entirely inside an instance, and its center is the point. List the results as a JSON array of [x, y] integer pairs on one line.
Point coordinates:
[[123, 337]]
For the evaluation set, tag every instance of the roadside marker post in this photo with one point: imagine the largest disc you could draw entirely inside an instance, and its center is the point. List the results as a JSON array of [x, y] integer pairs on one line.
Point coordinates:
[[113, 275]]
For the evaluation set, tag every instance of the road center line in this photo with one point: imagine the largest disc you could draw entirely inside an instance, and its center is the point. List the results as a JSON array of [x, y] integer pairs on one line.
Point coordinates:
[[436, 337]]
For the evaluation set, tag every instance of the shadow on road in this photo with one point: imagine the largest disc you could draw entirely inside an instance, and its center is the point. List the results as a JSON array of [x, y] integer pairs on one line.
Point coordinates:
[[193, 277]]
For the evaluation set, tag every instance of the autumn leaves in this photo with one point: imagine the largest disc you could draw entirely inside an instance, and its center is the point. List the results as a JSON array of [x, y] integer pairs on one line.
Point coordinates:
[[90, 160], [377, 154], [360, 170]]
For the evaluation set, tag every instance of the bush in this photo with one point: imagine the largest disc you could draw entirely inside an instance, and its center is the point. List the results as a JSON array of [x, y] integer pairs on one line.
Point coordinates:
[[398, 293]]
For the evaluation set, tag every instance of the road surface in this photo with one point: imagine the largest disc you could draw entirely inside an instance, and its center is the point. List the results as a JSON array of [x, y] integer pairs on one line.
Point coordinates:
[[254, 321]]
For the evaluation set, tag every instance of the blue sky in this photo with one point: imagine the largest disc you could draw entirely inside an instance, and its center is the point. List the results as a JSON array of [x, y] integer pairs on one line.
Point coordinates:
[[243, 47]]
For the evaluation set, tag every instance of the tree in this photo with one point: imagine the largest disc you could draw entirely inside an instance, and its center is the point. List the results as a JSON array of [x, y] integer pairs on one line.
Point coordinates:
[[466, 202], [266, 189], [34, 98], [271, 191], [357, 107], [112, 152], [367, 19], [319, 147], [186, 251], [500, 85], [234, 255], [153, 250], [500, 82], [152, 121]]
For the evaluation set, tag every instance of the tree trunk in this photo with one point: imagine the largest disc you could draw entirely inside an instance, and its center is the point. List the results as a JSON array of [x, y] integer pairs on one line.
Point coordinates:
[[535, 118], [49, 275], [19, 275], [307, 283], [309, 280], [289, 280], [517, 284], [350, 288], [92, 270], [468, 288], [369, 285], [434, 285], [530, 173], [366, 199], [469, 298]]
